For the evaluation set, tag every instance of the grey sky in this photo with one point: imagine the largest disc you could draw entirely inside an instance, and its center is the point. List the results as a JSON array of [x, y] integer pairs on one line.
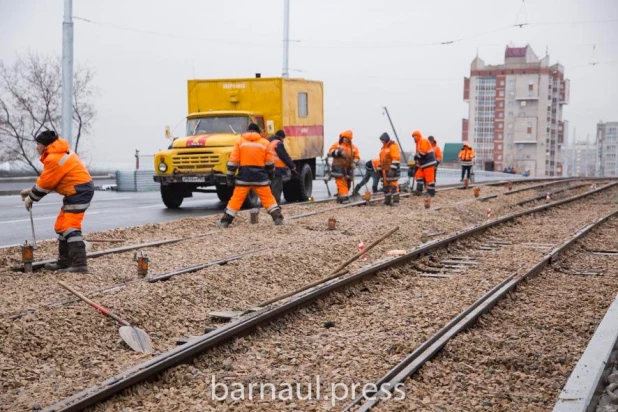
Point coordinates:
[[367, 53]]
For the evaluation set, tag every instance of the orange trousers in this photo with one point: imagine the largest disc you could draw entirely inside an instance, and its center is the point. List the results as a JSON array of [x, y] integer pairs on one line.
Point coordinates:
[[66, 221], [241, 192], [426, 176], [389, 186], [342, 186]]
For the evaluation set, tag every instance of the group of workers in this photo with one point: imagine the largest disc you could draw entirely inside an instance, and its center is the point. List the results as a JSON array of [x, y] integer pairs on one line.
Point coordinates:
[[256, 163]]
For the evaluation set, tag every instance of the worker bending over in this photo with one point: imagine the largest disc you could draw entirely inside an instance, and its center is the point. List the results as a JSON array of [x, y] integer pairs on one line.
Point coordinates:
[[284, 165], [64, 173]]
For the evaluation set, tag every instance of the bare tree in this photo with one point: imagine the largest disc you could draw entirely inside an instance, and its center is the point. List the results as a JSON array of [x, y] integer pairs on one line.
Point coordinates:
[[30, 102]]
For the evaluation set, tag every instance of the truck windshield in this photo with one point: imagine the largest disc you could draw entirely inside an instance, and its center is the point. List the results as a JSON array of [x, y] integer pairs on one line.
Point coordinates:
[[217, 124]]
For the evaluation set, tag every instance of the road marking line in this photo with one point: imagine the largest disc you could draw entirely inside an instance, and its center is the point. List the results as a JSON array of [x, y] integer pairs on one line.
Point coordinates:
[[40, 218]]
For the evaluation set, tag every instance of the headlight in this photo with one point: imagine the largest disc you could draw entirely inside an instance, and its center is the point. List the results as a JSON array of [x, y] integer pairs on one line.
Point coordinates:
[[162, 167]]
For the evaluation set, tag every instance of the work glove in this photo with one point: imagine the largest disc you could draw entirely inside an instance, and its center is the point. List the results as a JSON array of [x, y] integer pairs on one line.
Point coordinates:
[[417, 157], [229, 180], [294, 173], [28, 202], [336, 153], [24, 194], [271, 175]]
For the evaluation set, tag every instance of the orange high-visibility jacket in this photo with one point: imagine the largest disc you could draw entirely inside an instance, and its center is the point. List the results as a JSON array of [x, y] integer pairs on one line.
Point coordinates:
[[390, 155], [64, 173], [280, 155], [253, 159], [438, 152], [424, 153], [342, 165], [466, 155]]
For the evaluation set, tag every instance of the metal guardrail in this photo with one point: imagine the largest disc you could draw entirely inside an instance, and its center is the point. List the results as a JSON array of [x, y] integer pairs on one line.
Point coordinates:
[[136, 181]]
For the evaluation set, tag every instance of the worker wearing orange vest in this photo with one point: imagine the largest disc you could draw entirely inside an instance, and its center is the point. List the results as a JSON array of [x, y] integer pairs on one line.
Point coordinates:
[[64, 173], [425, 165], [254, 162], [371, 172], [437, 151], [466, 156], [345, 157], [390, 156], [284, 165]]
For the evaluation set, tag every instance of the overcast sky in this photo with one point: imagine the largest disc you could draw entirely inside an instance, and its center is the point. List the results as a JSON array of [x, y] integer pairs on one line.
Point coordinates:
[[368, 53]]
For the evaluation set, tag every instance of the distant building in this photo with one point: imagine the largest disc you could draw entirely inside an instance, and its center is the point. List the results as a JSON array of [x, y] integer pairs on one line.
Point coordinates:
[[515, 113], [580, 159], [607, 149]]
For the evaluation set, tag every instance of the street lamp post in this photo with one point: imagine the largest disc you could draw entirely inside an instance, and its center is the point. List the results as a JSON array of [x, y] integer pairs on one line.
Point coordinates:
[[67, 72]]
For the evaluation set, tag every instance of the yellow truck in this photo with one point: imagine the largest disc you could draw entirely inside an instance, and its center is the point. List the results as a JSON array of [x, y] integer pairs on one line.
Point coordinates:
[[219, 112]]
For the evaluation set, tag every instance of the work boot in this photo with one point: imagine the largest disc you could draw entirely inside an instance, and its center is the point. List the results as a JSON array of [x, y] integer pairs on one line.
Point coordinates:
[[277, 216], [225, 221], [77, 257], [396, 199], [63, 257], [431, 192], [345, 200], [388, 199], [419, 189]]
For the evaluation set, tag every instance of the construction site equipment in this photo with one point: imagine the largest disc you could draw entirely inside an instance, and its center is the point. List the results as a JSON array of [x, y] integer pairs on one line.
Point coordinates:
[[27, 256], [137, 339], [332, 223], [254, 216], [477, 191], [327, 175], [220, 110], [142, 265]]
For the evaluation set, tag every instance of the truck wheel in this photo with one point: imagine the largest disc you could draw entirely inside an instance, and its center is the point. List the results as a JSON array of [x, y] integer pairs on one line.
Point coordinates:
[[299, 190], [252, 201], [305, 187], [172, 197], [224, 193]]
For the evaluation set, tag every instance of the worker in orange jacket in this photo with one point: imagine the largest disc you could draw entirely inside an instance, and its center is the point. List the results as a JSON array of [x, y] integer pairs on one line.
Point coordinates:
[[64, 173], [466, 156], [390, 156], [372, 171], [438, 152], [345, 158], [254, 162], [425, 165]]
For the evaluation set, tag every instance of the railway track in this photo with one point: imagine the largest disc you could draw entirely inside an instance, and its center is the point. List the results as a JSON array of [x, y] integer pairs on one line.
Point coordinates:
[[373, 269]]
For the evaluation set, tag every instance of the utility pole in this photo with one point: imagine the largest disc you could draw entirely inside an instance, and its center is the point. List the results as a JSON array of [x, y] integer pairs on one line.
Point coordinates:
[[67, 72], [286, 37], [403, 154]]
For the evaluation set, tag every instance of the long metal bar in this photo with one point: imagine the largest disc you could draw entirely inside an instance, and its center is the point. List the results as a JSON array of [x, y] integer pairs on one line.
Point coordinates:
[[67, 73], [160, 363], [413, 362], [555, 192], [523, 189], [403, 153], [40, 264]]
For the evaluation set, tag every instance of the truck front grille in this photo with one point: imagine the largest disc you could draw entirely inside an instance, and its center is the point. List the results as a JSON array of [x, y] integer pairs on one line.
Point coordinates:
[[192, 161]]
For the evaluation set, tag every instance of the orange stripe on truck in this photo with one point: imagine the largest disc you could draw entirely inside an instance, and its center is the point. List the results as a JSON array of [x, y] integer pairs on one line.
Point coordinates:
[[301, 131]]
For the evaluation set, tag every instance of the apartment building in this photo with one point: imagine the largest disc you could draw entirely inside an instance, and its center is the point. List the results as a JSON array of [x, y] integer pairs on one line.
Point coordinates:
[[515, 113], [607, 149]]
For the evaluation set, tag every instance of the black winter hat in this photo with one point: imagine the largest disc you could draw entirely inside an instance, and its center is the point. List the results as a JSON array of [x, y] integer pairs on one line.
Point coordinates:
[[280, 133], [385, 137], [431, 138], [47, 137], [254, 128]]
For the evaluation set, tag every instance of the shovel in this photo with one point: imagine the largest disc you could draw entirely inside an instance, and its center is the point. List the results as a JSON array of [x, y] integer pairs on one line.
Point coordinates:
[[327, 175], [137, 339]]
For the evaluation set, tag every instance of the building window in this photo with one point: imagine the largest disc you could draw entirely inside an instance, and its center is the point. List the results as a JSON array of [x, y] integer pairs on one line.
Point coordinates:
[[511, 103], [510, 126], [500, 146], [529, 135], [501, 82], [501, 94], [511, 93], [500, 125], [499, 157], [501, 115], [303, 105]]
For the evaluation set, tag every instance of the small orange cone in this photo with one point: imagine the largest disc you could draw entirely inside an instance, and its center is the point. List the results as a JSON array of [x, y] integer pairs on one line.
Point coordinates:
[[477, 191], [427, 202]]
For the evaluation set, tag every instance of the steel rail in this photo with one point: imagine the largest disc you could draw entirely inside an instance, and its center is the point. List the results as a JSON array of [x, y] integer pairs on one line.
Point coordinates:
[[539, 186], [555, 192], [427, 350], [40, 264], [182, 354]]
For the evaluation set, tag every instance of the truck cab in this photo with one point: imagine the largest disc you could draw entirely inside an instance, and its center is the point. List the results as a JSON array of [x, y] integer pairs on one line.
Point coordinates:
[[219, 112]]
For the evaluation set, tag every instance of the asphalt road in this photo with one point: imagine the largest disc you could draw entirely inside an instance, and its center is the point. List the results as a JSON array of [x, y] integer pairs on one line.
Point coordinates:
[[110, 210]]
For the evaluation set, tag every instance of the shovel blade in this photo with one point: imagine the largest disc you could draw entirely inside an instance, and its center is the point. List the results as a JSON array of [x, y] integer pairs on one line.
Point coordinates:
[[137, 339]]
